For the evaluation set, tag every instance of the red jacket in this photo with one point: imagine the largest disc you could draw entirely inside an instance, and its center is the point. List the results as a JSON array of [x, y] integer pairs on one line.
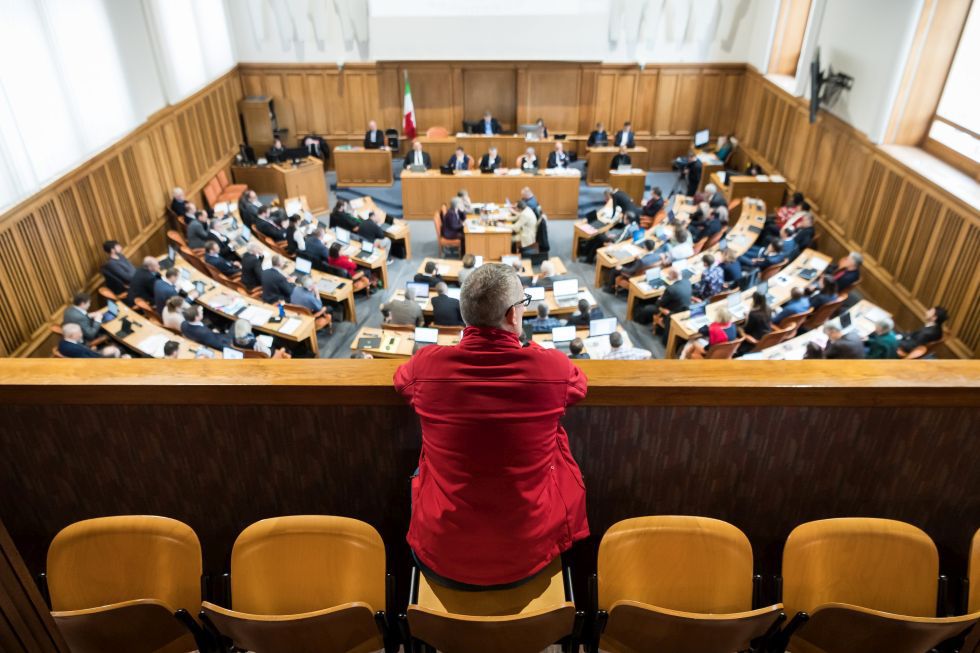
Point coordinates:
[[498, 495], [344, 263]]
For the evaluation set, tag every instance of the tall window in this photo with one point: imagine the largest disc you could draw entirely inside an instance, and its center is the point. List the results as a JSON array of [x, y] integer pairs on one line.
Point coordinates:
[[788, 38], [956, 125]]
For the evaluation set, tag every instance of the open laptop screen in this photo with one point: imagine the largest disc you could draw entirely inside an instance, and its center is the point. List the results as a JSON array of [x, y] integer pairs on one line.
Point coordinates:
[[566, 287]]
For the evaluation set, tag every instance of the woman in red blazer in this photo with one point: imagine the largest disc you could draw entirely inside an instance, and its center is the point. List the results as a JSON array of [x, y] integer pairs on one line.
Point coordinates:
[[338, 260], [498, 495]]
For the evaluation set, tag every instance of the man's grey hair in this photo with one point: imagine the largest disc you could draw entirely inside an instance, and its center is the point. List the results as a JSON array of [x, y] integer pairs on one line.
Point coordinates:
[[410, 294], [710, 189], [547, 269], [832, 327], [306, 281], [242, 328], [487, 295], [857, 258], [442, 288], [885, 324]]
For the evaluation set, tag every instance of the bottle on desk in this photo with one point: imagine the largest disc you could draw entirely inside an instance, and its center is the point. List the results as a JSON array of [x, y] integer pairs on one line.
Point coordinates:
[[282, 310]]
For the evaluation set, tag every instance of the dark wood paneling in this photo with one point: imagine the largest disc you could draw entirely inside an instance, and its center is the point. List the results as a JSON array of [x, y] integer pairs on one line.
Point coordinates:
[[493, 89]]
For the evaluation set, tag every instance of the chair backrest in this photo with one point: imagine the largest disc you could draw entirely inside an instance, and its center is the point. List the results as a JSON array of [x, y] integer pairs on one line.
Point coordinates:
[[822, 314], [725, 350], [212, 191], [176, 239], [56, 330], [436, 132], [105, 293], [734, 210], [337, 272], [56, 354], [196, 262], [793, 322], [692, 564], [296, 308], [108, 560], [719, 296], [772, 271], [773, 338], [289, 565], [698, 246], [147, 309], [437, 220], [250, 353], [973, 602], [222, 178], [879, 564]]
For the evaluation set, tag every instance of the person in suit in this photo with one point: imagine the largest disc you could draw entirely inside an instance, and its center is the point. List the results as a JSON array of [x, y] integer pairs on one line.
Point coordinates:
[[931, 331], [212, 256], [374, 138], [417, 157], [252, 266], [197, 231], [429, 275], [371, 231], [714, 222], [143, 281], [490, 160], [171, 349], [71, 345], [452, 222], [276, 286], [342, 216], [193, 328], [295, 236], [77, 313], [546, 277], [272, 226], [164, 288], [655, 204], [847, 272], [622, 201], [445, 309], [798, 303], [277, 151], [713, 197], [178, 203], [625, 136], [842, 345], [248, 207], [882, 344], [460, 160], [316, 248], [693, 170], [622, 158], [403, 311], [772, 255], [650, 259], [826, 293], [117, 270], [576, 349], [489, 125], [528, 160], [584, 315], [598, 136], [675, 298], [558, 158]]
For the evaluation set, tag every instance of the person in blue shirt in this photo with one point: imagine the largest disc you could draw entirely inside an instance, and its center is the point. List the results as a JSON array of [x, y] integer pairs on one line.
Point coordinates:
[[544, 323], [732, 269], [798, 303], [305, 294]]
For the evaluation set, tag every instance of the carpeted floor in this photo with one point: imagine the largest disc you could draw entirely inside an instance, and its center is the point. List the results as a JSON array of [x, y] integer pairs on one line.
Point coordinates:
[[400, 271]]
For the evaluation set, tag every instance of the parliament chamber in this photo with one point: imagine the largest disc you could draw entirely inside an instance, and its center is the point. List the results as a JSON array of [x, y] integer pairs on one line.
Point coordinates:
[[725, 260]]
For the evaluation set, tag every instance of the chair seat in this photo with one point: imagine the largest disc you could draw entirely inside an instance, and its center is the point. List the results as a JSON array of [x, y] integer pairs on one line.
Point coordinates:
[[347, 628], [634, 627], [137, 626], [843, 628]]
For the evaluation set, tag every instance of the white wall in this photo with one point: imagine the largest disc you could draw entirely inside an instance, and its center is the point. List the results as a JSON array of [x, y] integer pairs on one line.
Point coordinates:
[[870, 41], [649, 31]]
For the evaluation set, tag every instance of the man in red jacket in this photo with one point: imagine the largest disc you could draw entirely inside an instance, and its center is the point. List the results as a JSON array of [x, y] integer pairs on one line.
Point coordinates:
[[498, 495]]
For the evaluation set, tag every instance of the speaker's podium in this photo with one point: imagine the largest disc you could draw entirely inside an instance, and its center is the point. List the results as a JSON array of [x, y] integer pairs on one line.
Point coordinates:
[[288, 180]]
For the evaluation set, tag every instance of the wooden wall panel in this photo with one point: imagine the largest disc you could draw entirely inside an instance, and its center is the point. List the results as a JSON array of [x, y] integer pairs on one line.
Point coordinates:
[[553, 94], [50, 244], [493, 89], [920, 242]]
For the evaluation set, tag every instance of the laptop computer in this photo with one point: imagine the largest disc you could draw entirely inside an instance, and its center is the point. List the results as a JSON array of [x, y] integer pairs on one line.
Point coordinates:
[[562, 337], [699, 315], [421, 292], [426, 336], [168, 262], [510, 259], [702, 137], [416, 167], [244, 236], [303, 266], [367, 250], [735, 305], [446, 170], [602, 327], [343, 236], [111, 311], [454, 293], [624, 167], [566, 292], [845, 320], [652, 277]]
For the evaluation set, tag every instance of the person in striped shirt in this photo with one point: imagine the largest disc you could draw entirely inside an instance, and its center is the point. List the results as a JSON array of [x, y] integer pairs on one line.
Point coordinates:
[[622, 352]]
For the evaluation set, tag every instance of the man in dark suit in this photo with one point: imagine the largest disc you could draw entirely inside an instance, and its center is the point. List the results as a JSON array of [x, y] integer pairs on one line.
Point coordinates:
[[676, 298], [276, 286], [197, 231], [252, 266], [178, 204], [316, 249], [842, 345], [931, 331], [429, 276], [460, 160], [165, 288], [599, 136], [117, 269], [655, 203], [490, 160], [558, 158], [706, 227], [374, 138], [624, 202], [248, 207], [275, 228], [71, 343], [621, 159], [417, 157], [585, 314], [445, 309], [143, 280], [625, 136], [488, 125], [370, 229], [342, 216], [77, 313], [194, 329], [212, 256], [772, 255]]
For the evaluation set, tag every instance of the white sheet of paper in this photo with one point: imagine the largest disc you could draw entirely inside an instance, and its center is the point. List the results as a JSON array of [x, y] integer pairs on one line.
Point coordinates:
[[290, 326]]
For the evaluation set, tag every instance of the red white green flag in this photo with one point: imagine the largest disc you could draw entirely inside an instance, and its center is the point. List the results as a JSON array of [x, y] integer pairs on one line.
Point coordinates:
[[408, 127]]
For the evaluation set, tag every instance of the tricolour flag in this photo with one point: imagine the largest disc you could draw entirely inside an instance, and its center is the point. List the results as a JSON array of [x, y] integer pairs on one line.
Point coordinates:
[[408, 126]]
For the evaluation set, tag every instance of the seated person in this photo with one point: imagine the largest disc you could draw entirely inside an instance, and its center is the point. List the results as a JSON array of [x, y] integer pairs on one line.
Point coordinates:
[[248, 207], [166, 287], [429, 275], [732, 269], [489, 125], [469, 264], [724, 147], [544, 323], [625, 136], [445, 309], [931, 331], [649, 260], [213, 258], [847, 272], [316, 248], [882, 344], [584, 315], [405, 311], [460, 160], [374, 138], [178, 203], [198, 230], [713, 223], [676, 298], [842, 345], [525, 228], [245, 339], [252, 266], [826, 292], [576, 350], [417, 157], [655, 203], [272, 226], [490, 160], [798, 303], [558, 158], [713, 197], [71, 345], [546, 278], [295, 236], [305, 294], [145, 277], [465, 203], [598, 137], [276, 286], [371, 231], [758, 323], [277, 151], [193, 328], [790, 209], [722, 329], [712, 279], [171, 349], [526, 280], [622, 352], [802, 234], [770, 256], [542, 129], [528, 160], [453, 221], [337, 259], [343, 216], [621, 159], [172, 314], [681, 244], [78, 314]]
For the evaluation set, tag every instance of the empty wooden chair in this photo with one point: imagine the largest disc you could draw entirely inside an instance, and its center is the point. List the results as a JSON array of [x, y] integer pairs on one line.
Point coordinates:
[[525, 619], [306, 584], [212, 192], [677, 584], [456, 243], [107, 294], [773, 338], [823, 313], [436, 132], [229, 192], [867, 585], [117, 584], [722, 295], [724, 350]]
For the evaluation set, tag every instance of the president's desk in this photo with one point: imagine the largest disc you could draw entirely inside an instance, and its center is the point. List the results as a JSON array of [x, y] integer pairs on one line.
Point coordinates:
[[287, 180], [424, 193]]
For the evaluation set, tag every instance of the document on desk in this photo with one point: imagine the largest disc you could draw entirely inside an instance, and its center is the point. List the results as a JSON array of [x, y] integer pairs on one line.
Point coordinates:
[[597, 346], [290, 325], [256, 315], [442, 269], [357, 203], [476, 229], [265, 340]]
